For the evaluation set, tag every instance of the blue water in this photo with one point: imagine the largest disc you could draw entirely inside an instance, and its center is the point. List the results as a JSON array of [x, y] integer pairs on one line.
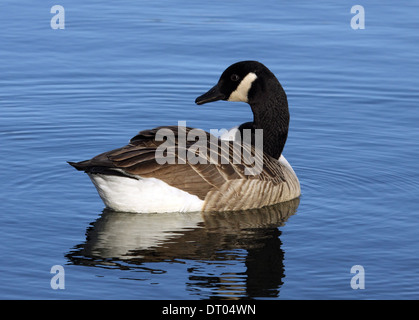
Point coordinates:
[[121, 67]]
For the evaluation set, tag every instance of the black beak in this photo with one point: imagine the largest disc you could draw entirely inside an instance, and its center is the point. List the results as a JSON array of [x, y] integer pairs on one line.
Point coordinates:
[[213, 94]]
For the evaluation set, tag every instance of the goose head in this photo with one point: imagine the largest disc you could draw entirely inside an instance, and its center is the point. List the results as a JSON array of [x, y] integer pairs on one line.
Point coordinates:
[[236, 83], [255, 84]]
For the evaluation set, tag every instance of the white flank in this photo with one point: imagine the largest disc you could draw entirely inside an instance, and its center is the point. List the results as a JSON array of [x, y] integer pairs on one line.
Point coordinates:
[[143, 195], [241, 92], [286, 164]]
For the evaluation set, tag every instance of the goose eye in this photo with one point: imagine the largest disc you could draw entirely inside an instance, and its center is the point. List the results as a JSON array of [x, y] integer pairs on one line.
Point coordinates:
[[235, 77]]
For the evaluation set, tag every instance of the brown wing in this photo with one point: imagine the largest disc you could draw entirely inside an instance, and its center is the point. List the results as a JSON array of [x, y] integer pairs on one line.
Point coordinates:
[[196, 165]]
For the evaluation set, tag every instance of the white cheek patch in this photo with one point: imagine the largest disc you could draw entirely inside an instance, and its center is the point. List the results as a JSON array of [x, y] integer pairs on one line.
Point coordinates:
[[240, 94]]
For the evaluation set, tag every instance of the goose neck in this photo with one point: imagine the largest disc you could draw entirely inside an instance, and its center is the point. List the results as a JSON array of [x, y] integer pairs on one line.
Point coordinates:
[[273, 117]]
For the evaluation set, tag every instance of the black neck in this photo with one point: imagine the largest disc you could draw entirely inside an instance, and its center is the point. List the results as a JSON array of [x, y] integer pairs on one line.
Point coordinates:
[[270, 113]]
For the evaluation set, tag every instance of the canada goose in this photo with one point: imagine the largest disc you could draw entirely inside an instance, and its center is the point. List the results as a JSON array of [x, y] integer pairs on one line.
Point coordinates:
[[139, 178]]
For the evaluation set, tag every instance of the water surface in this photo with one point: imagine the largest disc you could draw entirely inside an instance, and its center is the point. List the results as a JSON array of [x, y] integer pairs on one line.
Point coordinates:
[[116, 69]]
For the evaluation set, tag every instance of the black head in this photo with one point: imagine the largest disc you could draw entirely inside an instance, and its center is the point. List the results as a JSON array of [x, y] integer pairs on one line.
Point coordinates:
[[239, 82], [252, 82]]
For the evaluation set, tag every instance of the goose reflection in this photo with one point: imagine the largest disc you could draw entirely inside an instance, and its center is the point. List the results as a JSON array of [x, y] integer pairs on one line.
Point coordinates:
[[207, 240]]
